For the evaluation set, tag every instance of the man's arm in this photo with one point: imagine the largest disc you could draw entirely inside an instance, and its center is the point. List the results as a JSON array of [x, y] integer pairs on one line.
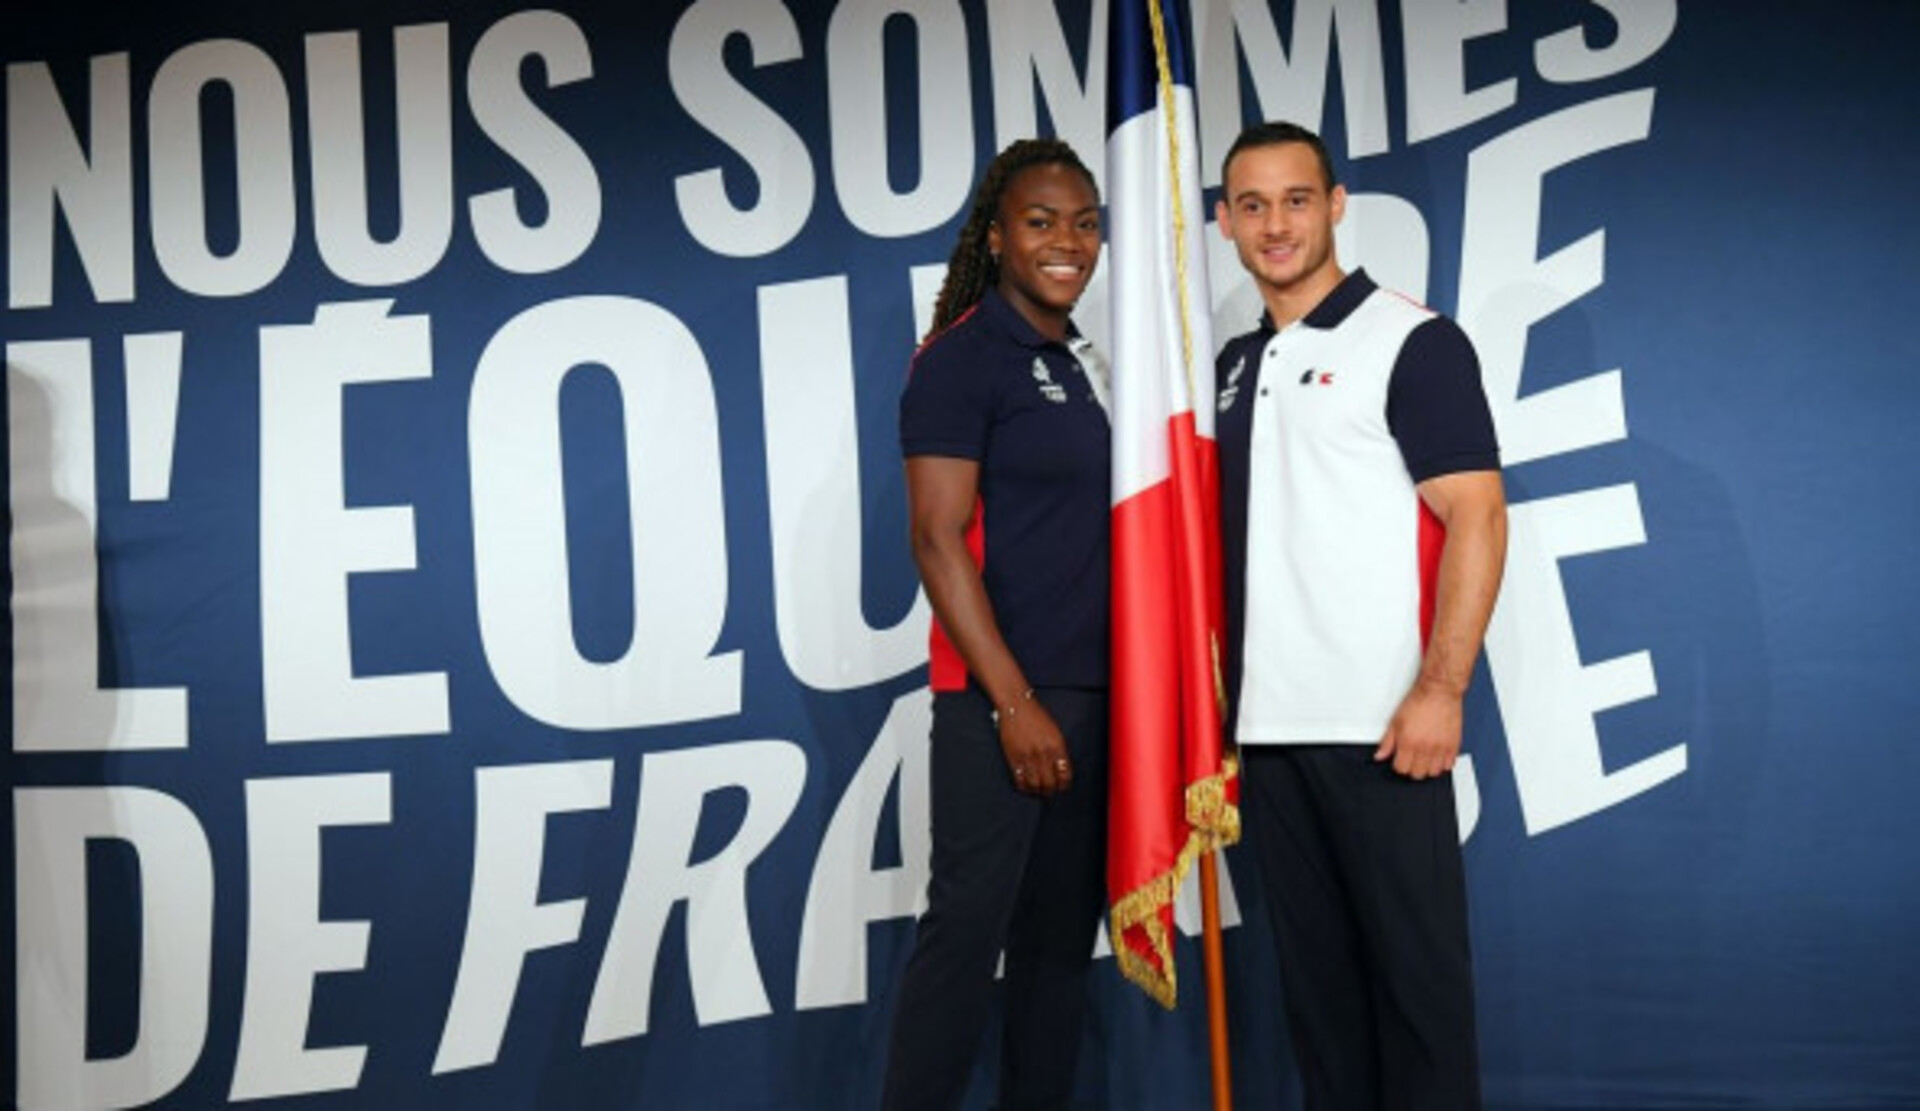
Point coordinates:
[[1423, 739]]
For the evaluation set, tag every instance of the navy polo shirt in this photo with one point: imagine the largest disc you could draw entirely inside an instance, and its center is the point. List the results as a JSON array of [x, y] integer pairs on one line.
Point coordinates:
[[992, 389]]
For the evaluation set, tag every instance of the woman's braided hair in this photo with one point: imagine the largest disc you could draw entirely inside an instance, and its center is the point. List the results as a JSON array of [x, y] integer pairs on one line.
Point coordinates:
[[972, 269]]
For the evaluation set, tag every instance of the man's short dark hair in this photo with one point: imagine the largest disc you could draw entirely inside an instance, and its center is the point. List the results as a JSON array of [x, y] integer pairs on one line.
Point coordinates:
[[1273, 133]]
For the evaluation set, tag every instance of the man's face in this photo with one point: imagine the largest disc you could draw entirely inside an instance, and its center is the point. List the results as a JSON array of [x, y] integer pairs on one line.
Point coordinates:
[[1280, 216]]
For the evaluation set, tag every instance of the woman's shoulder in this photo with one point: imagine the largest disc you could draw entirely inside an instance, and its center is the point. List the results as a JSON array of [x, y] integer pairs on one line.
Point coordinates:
[[959, 334], [968, 346]]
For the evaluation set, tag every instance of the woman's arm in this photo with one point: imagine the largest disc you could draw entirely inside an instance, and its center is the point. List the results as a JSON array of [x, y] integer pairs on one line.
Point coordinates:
[[941, 495]]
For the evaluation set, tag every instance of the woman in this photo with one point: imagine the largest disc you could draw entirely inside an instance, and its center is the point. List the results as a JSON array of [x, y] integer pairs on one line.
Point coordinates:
[[1005, 435]]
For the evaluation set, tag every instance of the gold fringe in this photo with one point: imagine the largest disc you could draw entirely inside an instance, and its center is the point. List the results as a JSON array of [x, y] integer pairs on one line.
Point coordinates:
[[1216, 824]]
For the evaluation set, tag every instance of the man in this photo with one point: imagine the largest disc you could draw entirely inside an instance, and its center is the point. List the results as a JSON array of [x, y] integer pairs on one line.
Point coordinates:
[[1365, 532]]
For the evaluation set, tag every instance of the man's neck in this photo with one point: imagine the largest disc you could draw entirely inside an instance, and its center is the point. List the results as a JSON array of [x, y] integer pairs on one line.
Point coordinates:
[[1297, 300]]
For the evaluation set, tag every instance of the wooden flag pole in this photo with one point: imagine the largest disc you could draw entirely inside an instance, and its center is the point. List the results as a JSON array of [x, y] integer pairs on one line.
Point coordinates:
[[1216, 981]]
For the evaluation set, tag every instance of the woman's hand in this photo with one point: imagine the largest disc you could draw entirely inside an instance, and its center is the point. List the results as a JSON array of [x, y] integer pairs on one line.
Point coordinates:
[[1035, 749]]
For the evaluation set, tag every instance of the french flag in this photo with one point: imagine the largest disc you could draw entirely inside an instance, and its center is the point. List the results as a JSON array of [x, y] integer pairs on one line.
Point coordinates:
[[1174, 792]]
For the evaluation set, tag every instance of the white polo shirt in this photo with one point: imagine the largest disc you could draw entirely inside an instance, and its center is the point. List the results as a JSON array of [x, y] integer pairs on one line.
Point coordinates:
[[1325, 428]]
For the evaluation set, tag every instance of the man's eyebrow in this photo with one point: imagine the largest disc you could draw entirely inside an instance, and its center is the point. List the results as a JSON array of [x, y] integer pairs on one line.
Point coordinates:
[[1301, 190]]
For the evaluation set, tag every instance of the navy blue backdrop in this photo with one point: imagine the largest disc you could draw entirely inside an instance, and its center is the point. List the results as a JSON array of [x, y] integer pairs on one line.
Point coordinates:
[[462, 650]]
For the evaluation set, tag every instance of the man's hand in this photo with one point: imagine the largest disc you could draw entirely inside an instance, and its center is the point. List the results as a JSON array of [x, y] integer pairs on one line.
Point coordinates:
[[1423, 739]]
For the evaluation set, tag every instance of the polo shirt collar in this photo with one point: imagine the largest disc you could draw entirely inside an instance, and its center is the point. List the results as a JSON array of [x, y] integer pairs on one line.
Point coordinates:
[[1005, 317], [1336, 306]]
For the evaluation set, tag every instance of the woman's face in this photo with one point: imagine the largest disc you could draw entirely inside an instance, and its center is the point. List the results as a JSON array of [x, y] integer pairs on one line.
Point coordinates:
[[1047, 236]]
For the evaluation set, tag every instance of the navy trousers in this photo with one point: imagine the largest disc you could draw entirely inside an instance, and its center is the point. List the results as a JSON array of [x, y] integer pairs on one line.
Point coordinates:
[[1367, 895], [1010, 871]]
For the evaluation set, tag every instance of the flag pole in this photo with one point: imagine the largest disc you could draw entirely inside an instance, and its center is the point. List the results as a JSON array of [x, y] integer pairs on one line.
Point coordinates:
[[1216, 981]]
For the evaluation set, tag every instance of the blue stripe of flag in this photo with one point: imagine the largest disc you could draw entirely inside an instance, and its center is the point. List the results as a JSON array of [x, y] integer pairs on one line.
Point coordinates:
[[1133, 77]]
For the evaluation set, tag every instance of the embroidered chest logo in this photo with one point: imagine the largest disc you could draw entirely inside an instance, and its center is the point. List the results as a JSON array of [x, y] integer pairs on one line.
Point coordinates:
[[1317, 377], [1049, 389], [1232, 388]]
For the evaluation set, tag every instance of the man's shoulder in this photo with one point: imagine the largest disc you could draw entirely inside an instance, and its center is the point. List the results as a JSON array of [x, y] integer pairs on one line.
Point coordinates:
[[1385, 304], [1437, 337], [1424, 333]]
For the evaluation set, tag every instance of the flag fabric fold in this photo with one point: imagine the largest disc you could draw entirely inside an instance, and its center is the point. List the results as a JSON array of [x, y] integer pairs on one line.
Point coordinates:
[[1175, 788]]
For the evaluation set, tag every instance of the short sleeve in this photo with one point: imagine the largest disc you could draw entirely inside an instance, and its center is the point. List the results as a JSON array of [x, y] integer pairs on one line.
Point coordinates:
[[1436, 406], [944, 409]]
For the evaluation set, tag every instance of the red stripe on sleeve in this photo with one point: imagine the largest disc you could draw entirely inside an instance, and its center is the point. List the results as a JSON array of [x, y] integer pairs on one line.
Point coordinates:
[[1433, 541], [947, 671]]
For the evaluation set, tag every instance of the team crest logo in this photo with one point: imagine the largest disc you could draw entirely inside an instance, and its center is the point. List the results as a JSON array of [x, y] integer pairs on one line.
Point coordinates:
[[1049, 389], [1232, 389]]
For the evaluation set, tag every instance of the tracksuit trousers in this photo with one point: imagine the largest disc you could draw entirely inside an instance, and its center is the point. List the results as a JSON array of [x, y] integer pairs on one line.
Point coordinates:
[[1010, 871], [1365, 888]]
